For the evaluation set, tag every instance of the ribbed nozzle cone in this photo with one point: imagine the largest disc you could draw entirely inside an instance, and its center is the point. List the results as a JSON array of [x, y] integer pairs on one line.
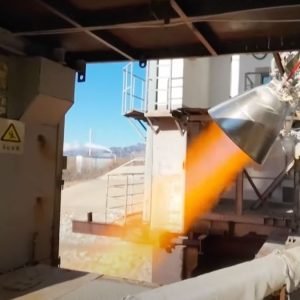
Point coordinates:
[[252, 120]]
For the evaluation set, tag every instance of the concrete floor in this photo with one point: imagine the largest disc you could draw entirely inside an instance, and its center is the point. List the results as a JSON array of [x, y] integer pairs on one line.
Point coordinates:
[[102, 255], [45, 283]]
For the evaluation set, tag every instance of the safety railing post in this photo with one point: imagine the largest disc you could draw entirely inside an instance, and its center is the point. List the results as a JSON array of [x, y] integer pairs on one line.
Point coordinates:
[[107, 196], [126, 200]]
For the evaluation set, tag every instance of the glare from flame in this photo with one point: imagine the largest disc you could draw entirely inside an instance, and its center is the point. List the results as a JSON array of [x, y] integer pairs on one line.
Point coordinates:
[[213, 162]]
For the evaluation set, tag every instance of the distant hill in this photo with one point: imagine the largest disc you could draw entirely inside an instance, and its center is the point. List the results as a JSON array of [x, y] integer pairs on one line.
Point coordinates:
[[129, 151], [99, 151], [87, 150]]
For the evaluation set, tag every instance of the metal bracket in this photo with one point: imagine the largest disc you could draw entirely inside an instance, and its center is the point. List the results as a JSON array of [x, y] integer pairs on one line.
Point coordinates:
[[138, 130], [181, 127], [81, 70], [143, 63], [155, 130], [160, 9], [59, 54], [181, 120], [142, 124], [11, 44]]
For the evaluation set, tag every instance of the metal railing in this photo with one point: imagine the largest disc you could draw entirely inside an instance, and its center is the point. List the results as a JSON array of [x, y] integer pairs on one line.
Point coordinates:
[[124, 196], [133, 92], [168, 91]]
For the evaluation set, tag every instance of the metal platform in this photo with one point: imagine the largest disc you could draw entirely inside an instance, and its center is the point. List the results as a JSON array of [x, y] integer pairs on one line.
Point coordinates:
[[273, 217], [135, 114], [132, 230], [74, 30]]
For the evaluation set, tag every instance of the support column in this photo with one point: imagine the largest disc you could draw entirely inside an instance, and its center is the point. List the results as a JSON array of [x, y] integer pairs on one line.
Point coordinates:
[[239, 194], [296, 194]]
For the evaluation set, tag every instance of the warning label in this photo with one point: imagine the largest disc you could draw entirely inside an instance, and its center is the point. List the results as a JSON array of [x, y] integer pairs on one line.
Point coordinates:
[[11, 136]]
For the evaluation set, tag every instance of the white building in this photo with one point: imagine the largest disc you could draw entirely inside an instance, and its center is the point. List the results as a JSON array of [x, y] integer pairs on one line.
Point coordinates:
[[87, 157]]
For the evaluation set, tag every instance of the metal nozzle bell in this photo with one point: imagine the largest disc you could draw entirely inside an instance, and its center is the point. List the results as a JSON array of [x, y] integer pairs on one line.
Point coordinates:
[[253, 120]]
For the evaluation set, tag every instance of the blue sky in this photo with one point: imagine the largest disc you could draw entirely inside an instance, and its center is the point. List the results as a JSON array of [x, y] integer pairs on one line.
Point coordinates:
[[98, 106]]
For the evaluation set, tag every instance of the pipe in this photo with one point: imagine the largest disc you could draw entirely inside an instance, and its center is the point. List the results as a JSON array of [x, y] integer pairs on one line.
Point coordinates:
[[252, 280]]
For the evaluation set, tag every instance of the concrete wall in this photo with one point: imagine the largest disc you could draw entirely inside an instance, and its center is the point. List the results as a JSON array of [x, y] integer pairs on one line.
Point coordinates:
[[206, 81], [219, 82], [196, 82], [28, 194], [30, 183], [167, 171], [200, 83]]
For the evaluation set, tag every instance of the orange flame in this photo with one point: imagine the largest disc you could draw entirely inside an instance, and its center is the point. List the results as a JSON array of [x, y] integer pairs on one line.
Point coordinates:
[[213, 162]]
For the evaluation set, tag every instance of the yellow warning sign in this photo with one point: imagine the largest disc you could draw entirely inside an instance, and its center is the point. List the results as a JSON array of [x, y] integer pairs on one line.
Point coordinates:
[[11, 135]]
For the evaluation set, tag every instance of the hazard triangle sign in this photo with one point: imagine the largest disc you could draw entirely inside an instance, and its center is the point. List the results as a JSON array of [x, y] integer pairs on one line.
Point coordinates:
[[11, 135]]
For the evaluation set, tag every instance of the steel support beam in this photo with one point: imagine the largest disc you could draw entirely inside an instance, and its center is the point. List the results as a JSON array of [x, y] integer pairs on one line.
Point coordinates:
[[261, 44], [297, 195], [126, 16], [244, 46], [95, 36], [143, 11], [183, 51], [271, 188], [215, 223], [98, 22], [20, 46], [254, 187], [112, 230], [218, 8], [10, 44], [278, 61], [130, 25], [239, 194], [202, 39]]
